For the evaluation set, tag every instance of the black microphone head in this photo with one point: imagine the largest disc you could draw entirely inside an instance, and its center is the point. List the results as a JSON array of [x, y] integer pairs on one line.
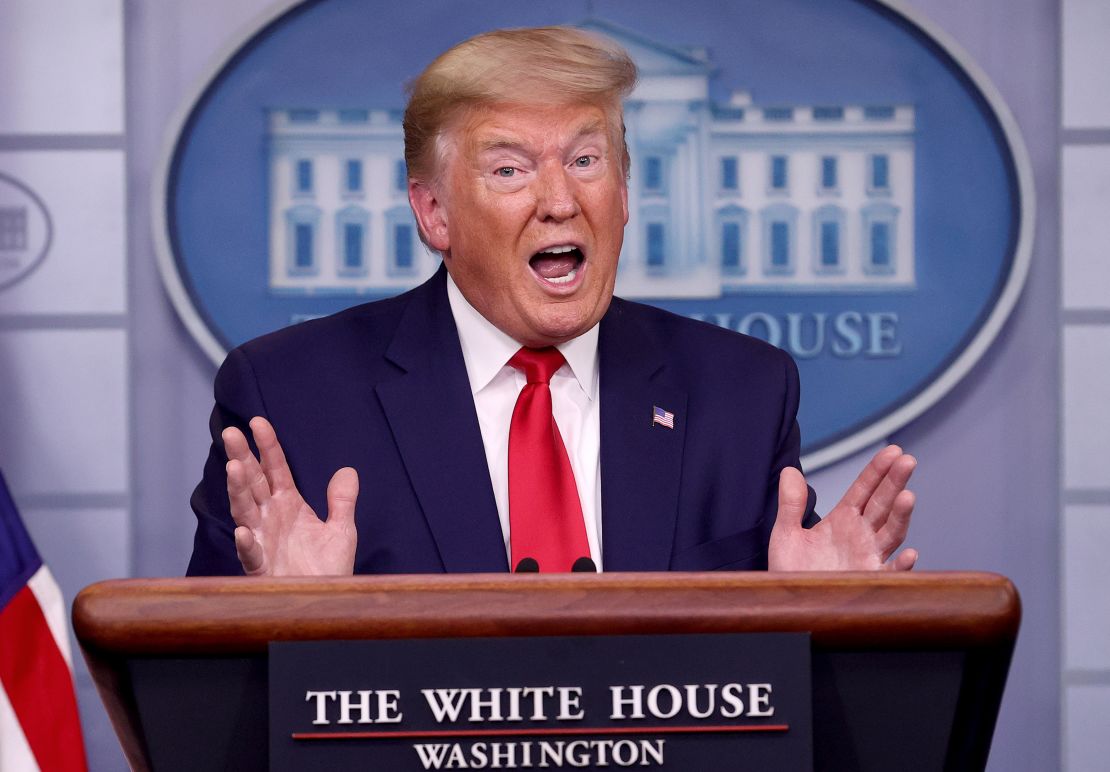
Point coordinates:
[[527, 566], [584, 565]]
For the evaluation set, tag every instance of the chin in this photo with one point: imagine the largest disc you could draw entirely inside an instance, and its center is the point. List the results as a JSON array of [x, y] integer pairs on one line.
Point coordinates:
[[559, 328]]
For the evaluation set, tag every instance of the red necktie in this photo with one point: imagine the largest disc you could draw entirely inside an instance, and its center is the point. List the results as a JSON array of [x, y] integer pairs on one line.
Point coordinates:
[[545, 515]]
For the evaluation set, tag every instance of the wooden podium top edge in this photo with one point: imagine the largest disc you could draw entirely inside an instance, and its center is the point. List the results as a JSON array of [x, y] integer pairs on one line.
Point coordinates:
[[873, 610]]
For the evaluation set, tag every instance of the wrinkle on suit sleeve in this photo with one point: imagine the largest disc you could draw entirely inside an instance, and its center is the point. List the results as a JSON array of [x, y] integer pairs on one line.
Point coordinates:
[[789, 449], [238, 399]]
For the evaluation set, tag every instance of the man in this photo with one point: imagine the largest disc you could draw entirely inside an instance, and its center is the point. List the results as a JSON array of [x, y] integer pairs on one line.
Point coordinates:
[[676, 444]]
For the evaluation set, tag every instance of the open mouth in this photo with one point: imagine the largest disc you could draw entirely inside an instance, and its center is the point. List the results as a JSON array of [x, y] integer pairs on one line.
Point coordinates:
[[559, 264]]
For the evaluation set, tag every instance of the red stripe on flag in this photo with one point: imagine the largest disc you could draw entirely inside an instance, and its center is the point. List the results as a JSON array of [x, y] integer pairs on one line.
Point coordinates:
[[39, 686]]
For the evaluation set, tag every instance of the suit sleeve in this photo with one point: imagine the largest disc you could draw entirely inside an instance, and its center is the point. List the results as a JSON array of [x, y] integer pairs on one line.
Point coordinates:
[[238, 399], [789, 449]]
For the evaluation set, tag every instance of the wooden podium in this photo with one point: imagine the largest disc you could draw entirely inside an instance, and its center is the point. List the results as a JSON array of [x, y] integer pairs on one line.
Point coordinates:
[[907, 669]]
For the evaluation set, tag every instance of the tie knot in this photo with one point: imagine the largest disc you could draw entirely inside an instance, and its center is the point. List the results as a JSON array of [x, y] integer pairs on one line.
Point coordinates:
[[537, 364]]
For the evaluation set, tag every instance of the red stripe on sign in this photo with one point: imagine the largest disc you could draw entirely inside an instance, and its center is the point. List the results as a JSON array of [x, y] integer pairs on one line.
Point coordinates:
[[540, 731], [39, 686]]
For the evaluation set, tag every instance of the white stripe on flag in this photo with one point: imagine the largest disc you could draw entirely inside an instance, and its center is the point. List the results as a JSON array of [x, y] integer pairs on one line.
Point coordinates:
[[15, 753], [53, 606]]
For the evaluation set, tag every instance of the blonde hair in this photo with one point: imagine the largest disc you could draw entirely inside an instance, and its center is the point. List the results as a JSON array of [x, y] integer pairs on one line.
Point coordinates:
[[531, 66]]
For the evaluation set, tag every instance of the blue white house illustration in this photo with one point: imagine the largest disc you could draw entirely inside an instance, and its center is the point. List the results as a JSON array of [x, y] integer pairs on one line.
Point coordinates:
[[723, 198]]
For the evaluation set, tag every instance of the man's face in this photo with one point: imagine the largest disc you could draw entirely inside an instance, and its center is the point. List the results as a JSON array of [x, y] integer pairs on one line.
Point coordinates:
[[529, 213]]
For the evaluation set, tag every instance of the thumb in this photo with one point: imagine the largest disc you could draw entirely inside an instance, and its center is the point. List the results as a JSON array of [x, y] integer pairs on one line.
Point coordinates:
[[250, 552], [342, 494], [793, 498]]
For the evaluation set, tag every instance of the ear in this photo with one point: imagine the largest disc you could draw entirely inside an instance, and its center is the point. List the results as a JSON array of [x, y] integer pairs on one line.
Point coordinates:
[[624, 198], [431, 214]]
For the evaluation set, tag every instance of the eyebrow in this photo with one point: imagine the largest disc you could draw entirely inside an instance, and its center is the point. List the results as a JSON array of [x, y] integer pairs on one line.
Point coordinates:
[[593, 127], [500, 144]]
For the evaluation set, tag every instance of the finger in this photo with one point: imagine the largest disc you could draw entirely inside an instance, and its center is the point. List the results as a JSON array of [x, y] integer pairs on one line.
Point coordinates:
[[905, 561], [342, 495], [893, 533], [793, 497], [235, 443], [244, 509], [862, 488], [249, 551], [236, 448], [274, 465], [879, 508]]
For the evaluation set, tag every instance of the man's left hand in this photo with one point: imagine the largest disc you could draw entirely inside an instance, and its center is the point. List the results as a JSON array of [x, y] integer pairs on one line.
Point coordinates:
[[862, 531]]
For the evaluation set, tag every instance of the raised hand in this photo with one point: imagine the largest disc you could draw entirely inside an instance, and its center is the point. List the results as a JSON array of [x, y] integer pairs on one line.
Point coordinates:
[[860, 533], [277, 533]]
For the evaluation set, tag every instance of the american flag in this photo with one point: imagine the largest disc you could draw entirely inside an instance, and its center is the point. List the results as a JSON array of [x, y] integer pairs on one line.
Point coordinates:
[[39, 726], [662, 417]]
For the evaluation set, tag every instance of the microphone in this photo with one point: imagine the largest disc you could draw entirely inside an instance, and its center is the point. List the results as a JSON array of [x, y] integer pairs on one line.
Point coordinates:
[[583, 566], [527, 566]]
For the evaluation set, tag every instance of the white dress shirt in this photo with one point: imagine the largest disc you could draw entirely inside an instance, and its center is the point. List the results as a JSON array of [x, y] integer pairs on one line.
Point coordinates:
[[574, 399]]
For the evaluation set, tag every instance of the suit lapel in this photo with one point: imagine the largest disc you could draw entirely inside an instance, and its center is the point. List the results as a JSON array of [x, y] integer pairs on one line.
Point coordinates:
[[641, 462], [431, 414]]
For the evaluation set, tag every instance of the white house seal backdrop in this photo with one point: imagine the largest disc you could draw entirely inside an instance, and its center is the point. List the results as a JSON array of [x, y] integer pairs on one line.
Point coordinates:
[[834, 177]]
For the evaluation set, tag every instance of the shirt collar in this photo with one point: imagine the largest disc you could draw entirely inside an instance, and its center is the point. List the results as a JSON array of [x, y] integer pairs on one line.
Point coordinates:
[[487, 349]]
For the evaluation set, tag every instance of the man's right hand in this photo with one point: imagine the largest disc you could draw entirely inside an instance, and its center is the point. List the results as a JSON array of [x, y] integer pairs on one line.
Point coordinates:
[[277, 533]]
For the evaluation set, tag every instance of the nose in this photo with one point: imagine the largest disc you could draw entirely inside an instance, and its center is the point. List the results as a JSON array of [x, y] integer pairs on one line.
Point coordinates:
[[556, 196]]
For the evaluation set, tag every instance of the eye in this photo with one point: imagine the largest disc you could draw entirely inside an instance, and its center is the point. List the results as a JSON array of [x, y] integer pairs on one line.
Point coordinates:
[[505, 171], [584, 161]]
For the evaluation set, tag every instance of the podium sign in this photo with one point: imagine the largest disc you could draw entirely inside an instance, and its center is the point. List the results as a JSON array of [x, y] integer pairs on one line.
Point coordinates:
[[676, 702]]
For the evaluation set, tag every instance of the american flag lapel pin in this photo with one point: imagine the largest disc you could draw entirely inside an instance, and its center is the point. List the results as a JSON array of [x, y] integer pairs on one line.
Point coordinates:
[[662, 417]]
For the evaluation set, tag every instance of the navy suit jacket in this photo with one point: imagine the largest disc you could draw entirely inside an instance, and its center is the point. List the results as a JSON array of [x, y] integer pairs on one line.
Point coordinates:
[[383, 388]]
